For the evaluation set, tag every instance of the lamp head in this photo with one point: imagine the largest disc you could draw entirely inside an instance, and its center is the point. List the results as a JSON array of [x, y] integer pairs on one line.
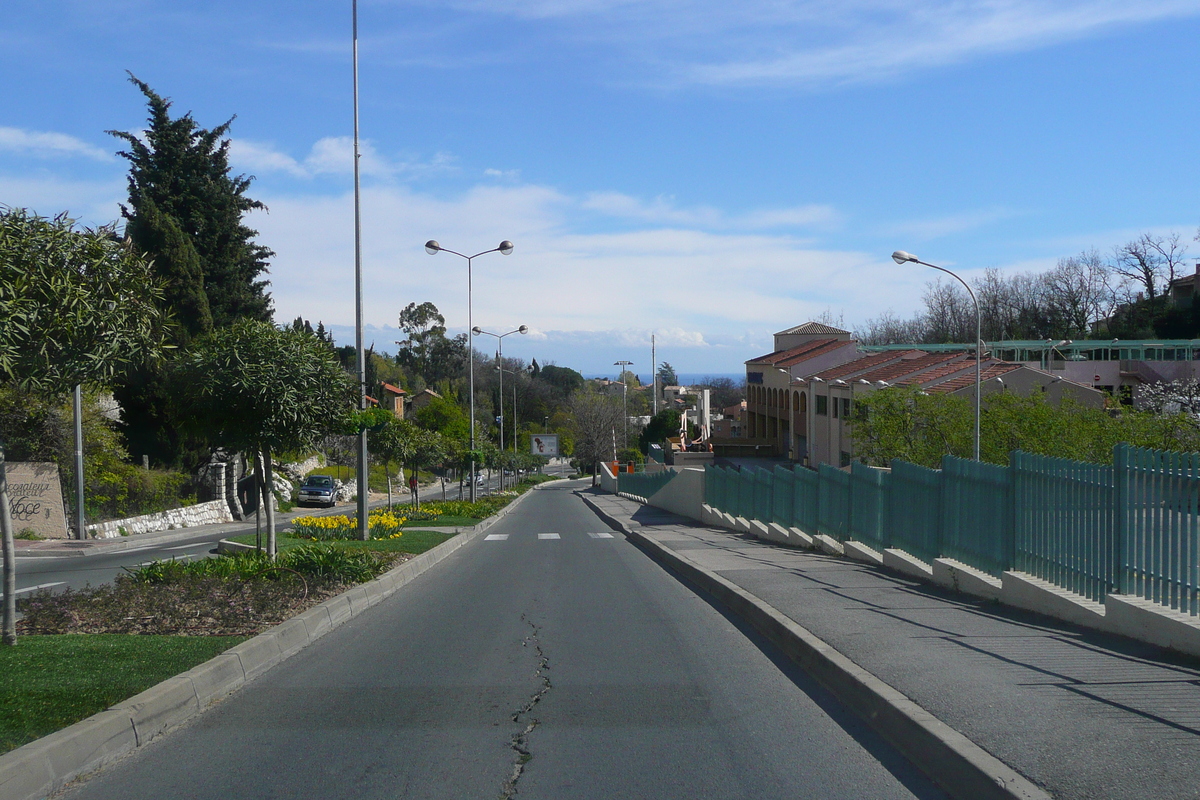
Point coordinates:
[[523, 329], [506, 247], [432, 247], [477, 330], [901, 257]]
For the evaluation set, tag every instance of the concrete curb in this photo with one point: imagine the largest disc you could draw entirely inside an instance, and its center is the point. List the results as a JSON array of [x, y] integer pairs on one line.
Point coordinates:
[[958, 765], [37, 769]]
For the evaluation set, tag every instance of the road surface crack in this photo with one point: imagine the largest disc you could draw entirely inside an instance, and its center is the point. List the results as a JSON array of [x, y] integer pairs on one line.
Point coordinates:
[[524, 714]]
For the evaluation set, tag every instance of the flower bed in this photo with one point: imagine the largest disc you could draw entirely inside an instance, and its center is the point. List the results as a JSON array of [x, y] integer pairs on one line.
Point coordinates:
[[381, 524]]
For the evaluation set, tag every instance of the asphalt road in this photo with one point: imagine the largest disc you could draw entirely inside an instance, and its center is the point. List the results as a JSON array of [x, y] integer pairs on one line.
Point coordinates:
[[549, 659]]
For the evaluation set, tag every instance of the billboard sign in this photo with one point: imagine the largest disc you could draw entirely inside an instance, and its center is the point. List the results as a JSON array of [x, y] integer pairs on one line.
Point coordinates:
[[544, 444]]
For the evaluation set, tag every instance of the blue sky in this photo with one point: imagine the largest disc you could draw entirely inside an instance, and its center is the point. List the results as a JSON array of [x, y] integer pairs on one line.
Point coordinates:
[[709, 171]]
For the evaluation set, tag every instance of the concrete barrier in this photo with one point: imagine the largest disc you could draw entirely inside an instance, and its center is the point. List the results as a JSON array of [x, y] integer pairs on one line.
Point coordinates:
[[861, 552], [966, 579], [1151, 622], [37, 769], [1021, 590]]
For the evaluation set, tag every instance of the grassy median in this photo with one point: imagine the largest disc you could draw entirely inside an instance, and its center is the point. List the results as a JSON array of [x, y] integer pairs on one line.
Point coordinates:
[[50, 682]]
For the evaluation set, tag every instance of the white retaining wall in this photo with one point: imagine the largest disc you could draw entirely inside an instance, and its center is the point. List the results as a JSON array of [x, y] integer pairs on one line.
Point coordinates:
[[215, 511]]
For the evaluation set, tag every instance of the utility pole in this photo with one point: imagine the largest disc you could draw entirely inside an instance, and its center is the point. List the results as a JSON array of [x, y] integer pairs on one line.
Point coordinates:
[[654, 372]]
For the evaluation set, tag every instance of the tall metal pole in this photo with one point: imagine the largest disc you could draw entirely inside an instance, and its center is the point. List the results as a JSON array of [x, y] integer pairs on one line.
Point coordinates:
[[505, 248], [500, 366], [471, 379], [901, 257], [363, 530], [654, 372], [77, 410]]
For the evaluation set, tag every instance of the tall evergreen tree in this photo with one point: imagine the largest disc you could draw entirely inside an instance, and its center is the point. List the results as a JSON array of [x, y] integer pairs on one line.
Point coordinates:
[[182, 170], [177, 264]]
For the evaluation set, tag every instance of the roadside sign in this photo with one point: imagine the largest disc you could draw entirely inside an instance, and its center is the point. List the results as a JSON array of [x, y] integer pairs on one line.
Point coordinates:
[[544, 444]]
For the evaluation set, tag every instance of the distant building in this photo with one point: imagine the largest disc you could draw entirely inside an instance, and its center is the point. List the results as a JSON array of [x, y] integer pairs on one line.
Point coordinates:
[[393, 399], [800, 397]]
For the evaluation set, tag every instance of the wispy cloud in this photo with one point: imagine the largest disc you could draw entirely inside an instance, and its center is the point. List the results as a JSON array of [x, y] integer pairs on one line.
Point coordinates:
[[923, 230], [332, 155], [663, 210], [806, 42], [47, 144]]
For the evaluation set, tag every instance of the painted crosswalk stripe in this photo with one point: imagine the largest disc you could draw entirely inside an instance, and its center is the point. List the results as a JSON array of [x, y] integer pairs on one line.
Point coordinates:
[[495, 537], [549, 536], [599, 535]]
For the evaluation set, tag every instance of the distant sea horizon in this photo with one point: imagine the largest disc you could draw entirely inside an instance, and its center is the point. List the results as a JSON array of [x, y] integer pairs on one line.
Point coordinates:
[[685, 378]]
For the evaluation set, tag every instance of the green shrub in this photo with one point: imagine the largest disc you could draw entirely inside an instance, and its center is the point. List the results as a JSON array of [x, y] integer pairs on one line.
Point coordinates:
[[319, 560]]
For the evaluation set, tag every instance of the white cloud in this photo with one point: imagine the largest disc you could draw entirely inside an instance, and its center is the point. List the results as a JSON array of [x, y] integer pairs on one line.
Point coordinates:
[[332, 155], [937, 227], [47, 144], [662, 210], [505, 174]]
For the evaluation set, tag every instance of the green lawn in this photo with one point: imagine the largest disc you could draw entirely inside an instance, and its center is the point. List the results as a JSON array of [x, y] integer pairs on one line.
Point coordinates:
[[50, 682], [413, 541]]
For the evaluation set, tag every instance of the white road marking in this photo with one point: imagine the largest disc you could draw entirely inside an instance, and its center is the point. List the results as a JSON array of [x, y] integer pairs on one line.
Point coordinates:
[[39, 586], [186, 546], [495, 537], [549, 536], [600, 535]]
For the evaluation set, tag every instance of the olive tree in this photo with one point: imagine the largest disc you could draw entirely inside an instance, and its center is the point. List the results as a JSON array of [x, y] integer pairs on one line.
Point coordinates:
[[257, 388], [399, 441], [76, 306]]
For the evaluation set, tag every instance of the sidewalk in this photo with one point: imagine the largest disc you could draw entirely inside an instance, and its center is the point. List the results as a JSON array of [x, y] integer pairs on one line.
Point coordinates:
[[1081, 714]]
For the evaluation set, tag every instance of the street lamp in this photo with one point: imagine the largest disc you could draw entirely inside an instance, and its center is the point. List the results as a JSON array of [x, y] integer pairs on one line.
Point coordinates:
[[901, 257], [624, 365], [505, 248], [478, 331]]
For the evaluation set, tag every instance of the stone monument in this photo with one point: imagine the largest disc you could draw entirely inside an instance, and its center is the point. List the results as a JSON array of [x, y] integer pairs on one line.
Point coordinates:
[[35, 499]]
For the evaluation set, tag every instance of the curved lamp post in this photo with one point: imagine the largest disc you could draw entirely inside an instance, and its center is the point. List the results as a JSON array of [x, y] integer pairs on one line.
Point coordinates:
[[505, 248], [901, 257], [478, 331]]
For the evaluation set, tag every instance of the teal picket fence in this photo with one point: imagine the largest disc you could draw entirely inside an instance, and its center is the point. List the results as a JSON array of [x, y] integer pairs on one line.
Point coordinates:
[[833, 507], [1064, 518], [915, 510], [643, 484], [1157, 496], [1092, 529], [977, 514], [783, 497], [869, 508], [806, 504]]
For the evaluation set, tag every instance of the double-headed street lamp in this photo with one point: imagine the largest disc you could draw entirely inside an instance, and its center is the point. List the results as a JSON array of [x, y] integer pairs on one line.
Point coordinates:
[[478, 331], [624, 365], [505, 248], [901, 257]]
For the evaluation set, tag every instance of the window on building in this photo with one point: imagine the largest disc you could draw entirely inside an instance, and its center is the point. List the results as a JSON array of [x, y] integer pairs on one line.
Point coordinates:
[[822, 404], [845, 459], [836, 405], [845, 408]]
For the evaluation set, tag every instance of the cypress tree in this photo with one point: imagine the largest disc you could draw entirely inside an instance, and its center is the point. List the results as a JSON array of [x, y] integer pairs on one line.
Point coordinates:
[[177, 264], [183, 171]]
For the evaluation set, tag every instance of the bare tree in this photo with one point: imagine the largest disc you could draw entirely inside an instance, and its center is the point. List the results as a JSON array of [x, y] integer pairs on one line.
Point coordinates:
[[1078, 292], [887, 328], [1149, 262], [949, 314], [596, 418]]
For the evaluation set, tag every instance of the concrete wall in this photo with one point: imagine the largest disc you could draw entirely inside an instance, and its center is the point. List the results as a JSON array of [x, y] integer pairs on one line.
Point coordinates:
[[683, 495], [608, 480], [200, 514]]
